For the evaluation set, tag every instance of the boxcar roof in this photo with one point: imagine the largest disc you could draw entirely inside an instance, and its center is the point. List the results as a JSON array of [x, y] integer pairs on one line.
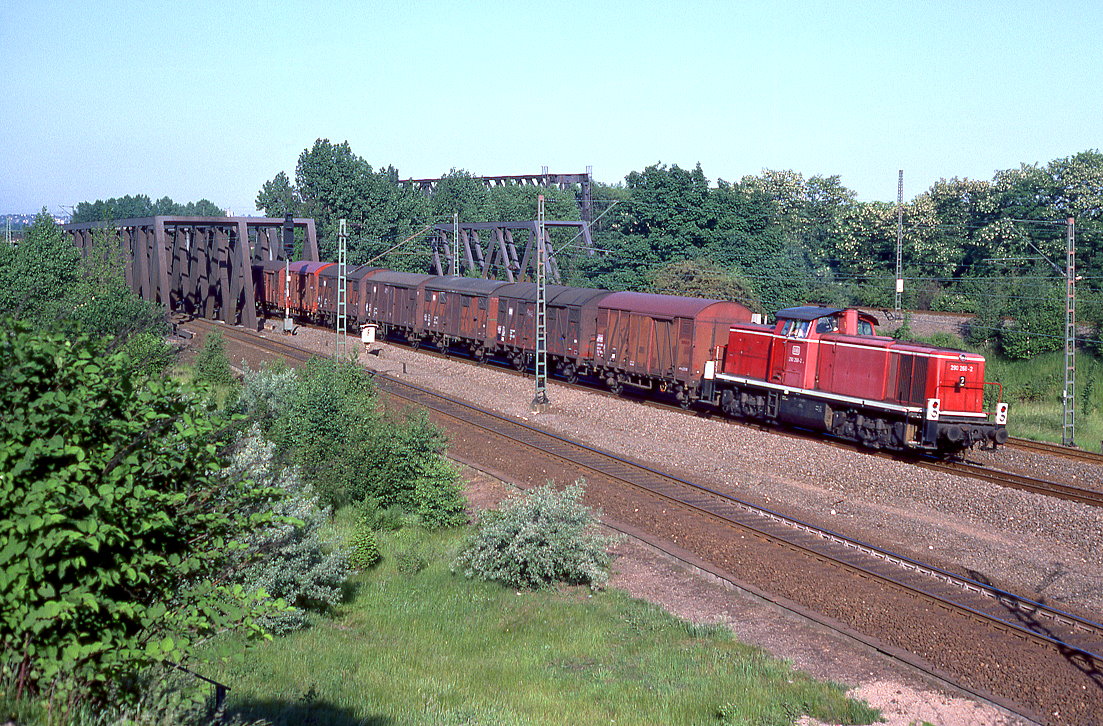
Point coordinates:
[[469, 285], [362, 271], [308, 267], [334, 271], [402, 279], [577, 296], [664, 305], [270, 264], [527, 291]]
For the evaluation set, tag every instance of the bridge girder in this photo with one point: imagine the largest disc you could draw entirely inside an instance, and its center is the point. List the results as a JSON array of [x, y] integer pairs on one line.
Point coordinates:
[[198, 265]]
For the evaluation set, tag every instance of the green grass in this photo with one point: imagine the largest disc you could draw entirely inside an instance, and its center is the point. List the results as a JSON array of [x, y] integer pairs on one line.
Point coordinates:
[[425, 646], [1033, 388]]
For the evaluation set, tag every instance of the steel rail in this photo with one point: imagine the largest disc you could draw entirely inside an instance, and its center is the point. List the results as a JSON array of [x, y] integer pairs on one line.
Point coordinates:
[[1045, 447]]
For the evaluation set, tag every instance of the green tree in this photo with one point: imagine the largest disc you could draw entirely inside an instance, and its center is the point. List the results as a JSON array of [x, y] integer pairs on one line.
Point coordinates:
[[37, 276], [704, 278], [116, 523]]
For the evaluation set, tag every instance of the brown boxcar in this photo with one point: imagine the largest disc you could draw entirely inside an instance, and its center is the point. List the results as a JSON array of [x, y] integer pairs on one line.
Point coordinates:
[[571, 322], [268, 283], [358, 291], [661, 341], [457, 309], [393, 300]]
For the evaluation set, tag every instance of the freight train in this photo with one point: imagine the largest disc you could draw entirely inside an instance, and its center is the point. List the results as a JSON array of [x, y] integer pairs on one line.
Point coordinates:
[[818, 368]]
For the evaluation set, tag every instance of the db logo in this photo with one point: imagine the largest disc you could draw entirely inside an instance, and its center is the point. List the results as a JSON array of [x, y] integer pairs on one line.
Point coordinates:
[[796, 350]]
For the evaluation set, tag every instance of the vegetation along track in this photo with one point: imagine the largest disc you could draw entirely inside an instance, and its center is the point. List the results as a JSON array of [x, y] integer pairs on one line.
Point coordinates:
[[988, 640]]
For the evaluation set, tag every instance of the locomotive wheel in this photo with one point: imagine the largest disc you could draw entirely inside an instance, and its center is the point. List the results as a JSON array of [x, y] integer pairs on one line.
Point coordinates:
[[570, 372]]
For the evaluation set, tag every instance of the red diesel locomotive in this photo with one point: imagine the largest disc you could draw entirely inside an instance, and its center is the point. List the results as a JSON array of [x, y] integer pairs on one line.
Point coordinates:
[[819, 368], [826, 369]]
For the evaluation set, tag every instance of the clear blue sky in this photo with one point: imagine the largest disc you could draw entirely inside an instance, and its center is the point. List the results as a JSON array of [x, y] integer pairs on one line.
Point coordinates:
[[211, 99]]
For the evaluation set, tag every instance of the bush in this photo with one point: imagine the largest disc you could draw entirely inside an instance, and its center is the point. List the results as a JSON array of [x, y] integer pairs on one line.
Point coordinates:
[[363, 549], [334, 429], [286, 557], [116, 523], [211, 364], [539, 538]]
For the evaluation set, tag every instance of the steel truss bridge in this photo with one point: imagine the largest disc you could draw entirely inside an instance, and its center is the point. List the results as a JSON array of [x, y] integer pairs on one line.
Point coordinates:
[[497, 256], [200, 265]]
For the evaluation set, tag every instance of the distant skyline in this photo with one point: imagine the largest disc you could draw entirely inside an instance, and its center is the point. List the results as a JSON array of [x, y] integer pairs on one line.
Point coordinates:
[[212, 99]]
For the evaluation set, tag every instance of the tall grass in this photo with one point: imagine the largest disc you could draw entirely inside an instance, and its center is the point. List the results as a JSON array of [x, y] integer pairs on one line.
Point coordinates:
[[421, 645], [1034, 390]]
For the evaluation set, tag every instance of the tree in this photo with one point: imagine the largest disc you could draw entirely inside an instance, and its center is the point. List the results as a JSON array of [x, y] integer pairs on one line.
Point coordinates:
[[115, 518], [37, 277], [140, 206], [704, 278]]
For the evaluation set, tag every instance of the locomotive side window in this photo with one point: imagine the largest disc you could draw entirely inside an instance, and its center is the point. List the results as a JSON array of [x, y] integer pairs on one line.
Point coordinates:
[[796, 328], [865, 328], [827, 325]]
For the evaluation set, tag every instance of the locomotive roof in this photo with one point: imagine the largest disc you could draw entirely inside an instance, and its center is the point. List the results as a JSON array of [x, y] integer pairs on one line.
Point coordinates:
[[806, 312]]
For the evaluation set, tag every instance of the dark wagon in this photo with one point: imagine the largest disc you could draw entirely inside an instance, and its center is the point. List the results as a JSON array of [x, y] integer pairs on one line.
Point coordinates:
[[393, 300], [571, 324], [661, 341], [456, 312]]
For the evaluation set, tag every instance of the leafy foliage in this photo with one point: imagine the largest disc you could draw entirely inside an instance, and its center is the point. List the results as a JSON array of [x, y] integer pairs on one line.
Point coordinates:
[[325, 418], [540, 538], [115, 518], [211, 364], [363, 549], [46, 282], [286, 557], [139, 206]]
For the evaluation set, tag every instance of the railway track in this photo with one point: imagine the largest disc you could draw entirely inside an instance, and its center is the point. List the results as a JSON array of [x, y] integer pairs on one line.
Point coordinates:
[[1045, 447], [1068, 640]]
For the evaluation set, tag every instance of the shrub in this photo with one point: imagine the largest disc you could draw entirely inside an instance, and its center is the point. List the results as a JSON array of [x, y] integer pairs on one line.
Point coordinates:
[[373, 515], [211, 364], [266, 394], [286, 557], [115, 520], [333, 428], [363, 549], [539, 538]]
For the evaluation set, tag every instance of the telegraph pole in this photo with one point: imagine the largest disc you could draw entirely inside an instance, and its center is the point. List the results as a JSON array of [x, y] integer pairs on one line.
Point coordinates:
[[342, 289], [540, 399], [1068, 430], [899, 239]]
